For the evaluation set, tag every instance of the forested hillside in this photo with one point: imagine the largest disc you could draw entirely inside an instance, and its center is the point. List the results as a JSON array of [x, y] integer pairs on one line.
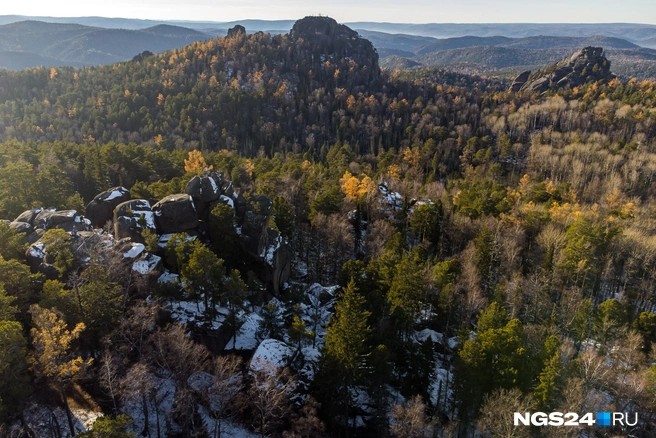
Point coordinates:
[[269, 236]]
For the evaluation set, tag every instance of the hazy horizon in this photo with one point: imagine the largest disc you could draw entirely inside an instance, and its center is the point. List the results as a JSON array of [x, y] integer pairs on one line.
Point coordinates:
[[411, 12]]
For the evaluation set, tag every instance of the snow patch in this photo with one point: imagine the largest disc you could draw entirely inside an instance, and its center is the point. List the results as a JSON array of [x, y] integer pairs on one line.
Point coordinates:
[[227, 200], [37, 250], [135, 251], [168, 277], [215, 188], [115, 194], [270, 356], [40, 418], [246, 338], [436, 337], [147, 264]]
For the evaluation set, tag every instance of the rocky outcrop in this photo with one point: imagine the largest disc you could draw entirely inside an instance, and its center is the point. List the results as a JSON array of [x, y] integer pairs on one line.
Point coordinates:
[[28, 216], [83, 246], [131, 218], [322, 39], [519, 81], [67, 220], [587, 65], [278, 257], [175, 214], [206, 190], [100, 209], [20, 227], [181, 213], [236, 31], [254, 216]]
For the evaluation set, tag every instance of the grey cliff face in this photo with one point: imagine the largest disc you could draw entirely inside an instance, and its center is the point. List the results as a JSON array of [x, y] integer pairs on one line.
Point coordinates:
[[587, 65]]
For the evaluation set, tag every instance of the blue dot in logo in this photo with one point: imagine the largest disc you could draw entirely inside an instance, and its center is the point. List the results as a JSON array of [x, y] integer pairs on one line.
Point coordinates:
[[603, 418]]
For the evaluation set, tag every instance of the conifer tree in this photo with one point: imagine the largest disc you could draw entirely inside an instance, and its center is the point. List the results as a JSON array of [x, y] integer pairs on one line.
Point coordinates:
[[345, 350], [204, 274], [14, 382]]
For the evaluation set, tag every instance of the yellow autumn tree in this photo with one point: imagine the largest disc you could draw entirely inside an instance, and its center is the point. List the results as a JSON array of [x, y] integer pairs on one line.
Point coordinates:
[[195, 163], [366, 187], [394, 171], [350, 185], [356, 189], [412, 156], [53, 356]]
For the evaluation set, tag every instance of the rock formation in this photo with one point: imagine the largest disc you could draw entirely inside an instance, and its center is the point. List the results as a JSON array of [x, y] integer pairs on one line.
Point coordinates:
[[133, 217], [235, 31], [322, 39], [180, 213], [587, 65], [175, 214], [100, 209], [519, 81]]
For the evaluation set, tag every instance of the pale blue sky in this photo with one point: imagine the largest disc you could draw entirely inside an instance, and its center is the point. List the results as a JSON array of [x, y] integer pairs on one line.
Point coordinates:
[[407, 11]]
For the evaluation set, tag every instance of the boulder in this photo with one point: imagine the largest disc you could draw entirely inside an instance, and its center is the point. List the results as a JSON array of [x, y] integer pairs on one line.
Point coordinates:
[[100, 209], [78, 223], [83, 245], [35, 235], [175, 213], [131, 218], [206, 187], [519, 81], [48, 219], [148, 264], [228, 189], [35, 254], [255, 224], [20, 227], [28, 216], [282, 266], [278, 257]]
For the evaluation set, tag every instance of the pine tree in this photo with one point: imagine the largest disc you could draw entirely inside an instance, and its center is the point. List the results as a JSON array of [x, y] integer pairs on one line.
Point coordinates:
[[270, 325], [348, 330], [549, 379], [204, 274], [345, 350], [407, 291], [14, 383], [12, 244], [234, 294], [56, 242]]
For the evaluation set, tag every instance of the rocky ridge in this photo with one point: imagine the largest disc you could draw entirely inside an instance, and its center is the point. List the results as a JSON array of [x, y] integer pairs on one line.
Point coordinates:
[[587, 65], [179, 213]]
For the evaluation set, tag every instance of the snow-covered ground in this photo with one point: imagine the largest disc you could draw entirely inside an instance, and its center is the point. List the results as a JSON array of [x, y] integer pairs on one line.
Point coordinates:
[[45, 420], [271, 356]]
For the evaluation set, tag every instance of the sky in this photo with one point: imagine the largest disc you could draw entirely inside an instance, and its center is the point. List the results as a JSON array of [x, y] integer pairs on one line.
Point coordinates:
[[399, 11]]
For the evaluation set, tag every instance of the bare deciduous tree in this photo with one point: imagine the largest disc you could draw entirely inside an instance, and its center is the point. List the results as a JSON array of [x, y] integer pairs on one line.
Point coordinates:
[[409, 420]]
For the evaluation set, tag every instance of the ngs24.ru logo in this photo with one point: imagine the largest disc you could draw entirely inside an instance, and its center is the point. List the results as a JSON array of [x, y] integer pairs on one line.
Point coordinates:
[[573, 419]]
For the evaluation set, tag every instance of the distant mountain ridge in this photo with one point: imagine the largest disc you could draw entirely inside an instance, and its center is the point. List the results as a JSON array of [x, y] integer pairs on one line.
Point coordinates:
[[633, 32], [54, 44], [505, 49]]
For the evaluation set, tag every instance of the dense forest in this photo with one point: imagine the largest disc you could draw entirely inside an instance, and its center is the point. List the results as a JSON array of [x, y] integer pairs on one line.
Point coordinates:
[[356, 252]]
